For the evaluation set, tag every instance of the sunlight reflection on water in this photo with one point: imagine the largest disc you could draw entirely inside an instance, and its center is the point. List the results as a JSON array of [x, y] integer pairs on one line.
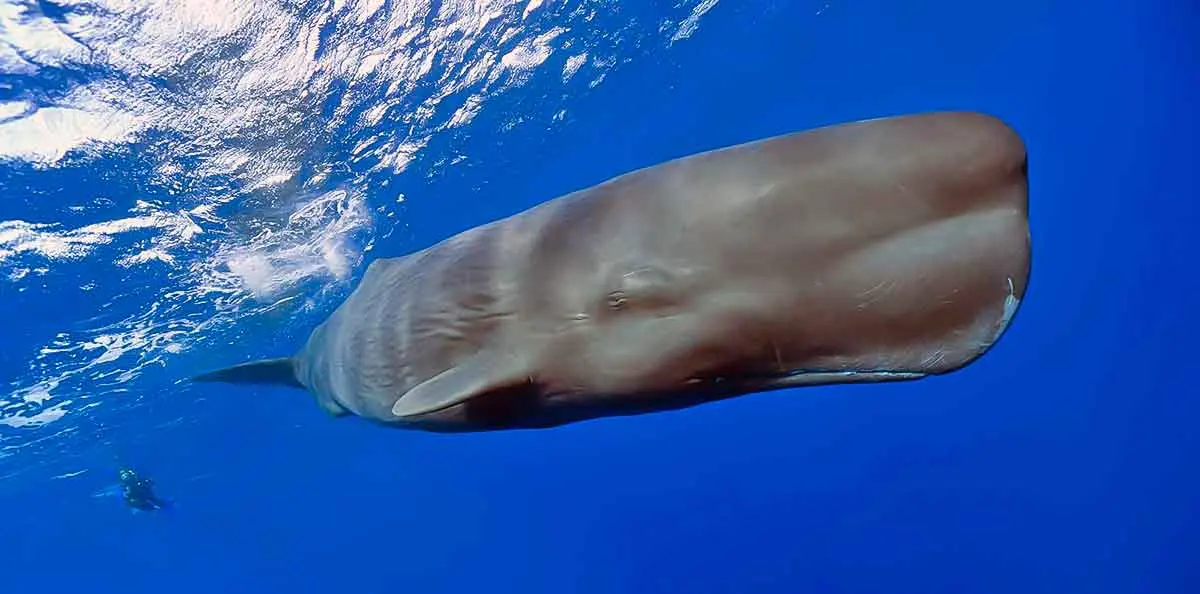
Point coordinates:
[[239, 145]]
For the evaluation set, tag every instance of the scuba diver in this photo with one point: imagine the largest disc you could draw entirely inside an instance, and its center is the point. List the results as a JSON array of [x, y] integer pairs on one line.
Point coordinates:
[[138, 492]]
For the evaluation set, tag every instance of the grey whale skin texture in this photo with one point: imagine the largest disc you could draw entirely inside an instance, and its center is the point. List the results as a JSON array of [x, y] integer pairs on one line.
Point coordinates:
[[880, 250]]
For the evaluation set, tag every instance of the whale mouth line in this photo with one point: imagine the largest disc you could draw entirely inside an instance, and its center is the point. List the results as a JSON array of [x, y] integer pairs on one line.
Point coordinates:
[[696, 391], [808, 377]]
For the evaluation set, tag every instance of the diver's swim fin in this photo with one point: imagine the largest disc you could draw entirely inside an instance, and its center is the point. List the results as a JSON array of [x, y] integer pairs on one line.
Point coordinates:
[[109, 491], [280, 371]]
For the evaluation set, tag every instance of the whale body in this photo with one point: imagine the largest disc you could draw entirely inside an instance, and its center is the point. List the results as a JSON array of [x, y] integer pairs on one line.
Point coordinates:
[[880, 250]]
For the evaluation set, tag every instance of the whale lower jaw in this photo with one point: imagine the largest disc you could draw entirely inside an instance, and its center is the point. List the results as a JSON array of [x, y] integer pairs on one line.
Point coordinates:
[[818, 378], [737, 385], [530, 408]]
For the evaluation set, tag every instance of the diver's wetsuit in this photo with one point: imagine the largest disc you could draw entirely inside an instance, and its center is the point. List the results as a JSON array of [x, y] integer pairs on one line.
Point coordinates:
[[139, 492]]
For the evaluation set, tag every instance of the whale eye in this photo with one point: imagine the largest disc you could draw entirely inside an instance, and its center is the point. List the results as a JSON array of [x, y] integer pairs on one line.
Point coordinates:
[[643, 287], [617, 300]]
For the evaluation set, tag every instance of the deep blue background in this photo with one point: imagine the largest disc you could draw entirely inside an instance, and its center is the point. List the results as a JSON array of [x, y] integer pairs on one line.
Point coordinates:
[[1064, 461]]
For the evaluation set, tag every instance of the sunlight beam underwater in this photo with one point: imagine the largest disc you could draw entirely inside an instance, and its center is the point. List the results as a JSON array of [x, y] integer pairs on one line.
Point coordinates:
[[880, 250]]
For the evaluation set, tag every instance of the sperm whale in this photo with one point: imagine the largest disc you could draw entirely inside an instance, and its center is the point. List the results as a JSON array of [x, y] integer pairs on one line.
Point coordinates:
[[879, 250]]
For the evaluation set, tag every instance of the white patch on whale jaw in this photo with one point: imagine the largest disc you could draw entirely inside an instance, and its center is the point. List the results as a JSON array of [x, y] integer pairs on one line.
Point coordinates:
[[1011, 303], [812, 378], [818, 378]]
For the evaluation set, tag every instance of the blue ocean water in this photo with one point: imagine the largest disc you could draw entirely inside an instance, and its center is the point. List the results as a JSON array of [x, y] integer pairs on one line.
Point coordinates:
[[186, 184]]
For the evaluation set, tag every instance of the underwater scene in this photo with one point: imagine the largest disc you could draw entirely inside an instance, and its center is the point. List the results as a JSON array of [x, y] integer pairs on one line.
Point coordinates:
[[599, 296]]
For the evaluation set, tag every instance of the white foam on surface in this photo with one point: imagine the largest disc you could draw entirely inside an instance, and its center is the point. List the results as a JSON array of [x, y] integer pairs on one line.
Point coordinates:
[[262, 134]]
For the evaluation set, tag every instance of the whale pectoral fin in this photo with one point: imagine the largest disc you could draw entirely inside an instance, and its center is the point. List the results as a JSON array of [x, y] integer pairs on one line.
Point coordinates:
[[477, 374]]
